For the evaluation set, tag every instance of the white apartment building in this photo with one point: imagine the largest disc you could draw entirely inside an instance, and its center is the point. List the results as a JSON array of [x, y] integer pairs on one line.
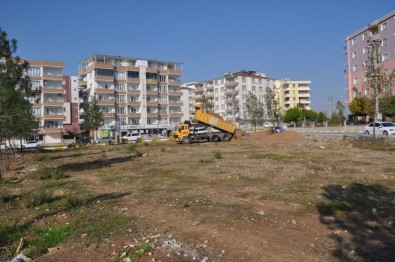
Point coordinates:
[[228, 94], [135, 95], [48, 107]]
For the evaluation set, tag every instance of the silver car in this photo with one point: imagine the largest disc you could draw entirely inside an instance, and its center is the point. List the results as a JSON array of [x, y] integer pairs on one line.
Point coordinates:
[[382, 128]]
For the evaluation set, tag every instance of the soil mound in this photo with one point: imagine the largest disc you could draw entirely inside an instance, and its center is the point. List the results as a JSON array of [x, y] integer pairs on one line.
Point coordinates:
[[269, 137]]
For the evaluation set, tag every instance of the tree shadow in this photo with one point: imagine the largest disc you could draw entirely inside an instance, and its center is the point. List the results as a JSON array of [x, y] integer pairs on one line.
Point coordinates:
[[362, 220], [100, 163]]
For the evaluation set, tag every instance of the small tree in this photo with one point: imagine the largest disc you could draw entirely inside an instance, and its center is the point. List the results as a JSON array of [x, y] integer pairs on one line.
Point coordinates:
[[16, 120], [255, 111], [93, 117], [293, 115], [272, 106]]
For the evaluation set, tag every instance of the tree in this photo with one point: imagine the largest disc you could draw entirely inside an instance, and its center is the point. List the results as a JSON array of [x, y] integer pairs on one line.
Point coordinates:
[[93, 117], [255, 111], [361, 106], [387, 105], [207, 106], [16, 120], [272, 106], [293, 115], [321, 117]]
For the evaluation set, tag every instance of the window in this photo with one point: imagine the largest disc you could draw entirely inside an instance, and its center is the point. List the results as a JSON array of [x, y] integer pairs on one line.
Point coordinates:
[[384, 42], [353, 41], [104, 72], [383, 26], [243, 79], [33, 71], [243, 88], [253, 88], [355, 81], [119, 87], [365, 50], [354, 55], [385, 71], [385, 57], [35, 85], [354, 68], [133, 74], [365, 36], [119, 75]]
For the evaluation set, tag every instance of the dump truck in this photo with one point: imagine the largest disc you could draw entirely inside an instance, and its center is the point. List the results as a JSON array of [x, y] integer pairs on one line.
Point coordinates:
[[205, 127]]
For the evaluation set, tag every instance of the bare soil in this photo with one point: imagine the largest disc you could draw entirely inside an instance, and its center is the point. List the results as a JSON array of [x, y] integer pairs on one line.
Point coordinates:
[[259, 197]]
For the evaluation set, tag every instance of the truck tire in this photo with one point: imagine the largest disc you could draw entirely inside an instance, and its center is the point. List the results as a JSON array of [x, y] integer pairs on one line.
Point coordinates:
[[186, 140], [215, 139], [226, 138]]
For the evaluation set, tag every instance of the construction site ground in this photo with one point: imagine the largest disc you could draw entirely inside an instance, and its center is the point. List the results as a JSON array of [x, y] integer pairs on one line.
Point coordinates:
[[259, 197]]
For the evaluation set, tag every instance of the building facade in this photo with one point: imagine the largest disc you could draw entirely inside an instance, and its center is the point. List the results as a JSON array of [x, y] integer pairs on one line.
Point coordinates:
[[357, 50], [48, 107], [227, 95], [135, 95], [291, 93]]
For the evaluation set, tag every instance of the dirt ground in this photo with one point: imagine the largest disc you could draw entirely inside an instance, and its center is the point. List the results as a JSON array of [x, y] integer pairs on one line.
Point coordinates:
[[259, 197]]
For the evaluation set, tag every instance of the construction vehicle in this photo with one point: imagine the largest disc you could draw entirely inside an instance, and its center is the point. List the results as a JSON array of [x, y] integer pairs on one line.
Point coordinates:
[[205, 127]]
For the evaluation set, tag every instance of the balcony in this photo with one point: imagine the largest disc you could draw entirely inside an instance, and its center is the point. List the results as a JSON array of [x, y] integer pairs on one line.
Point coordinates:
[[134, 114], [210, 88], [152, 103], [176, 114], [175, 93], [231, 92], [152, 92], [171, 72], [108, 115], [134, 80], [47, 130], [53, 77], [105, 102], [231, 84], [174, 83], [58, 90], [133, 91], [104, 78], [82, 83], [104, 90], [53, 116], [176, 103], [134, 103], [54, 103]]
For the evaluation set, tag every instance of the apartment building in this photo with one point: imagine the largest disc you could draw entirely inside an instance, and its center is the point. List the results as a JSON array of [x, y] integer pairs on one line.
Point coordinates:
[[291, 93], [356, 51], [135, 95], [71, 106], [227, 95], [47, 80], [187, 108]]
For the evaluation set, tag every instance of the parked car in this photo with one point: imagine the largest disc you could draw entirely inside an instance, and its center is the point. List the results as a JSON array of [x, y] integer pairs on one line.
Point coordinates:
[[82, 141], [277, 129], [103, 140], [32, 144], [382, 128], [4, 146], [131, 137]]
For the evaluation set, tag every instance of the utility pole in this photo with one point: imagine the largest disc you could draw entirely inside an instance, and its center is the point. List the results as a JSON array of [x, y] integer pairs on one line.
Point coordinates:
[[373, 73]]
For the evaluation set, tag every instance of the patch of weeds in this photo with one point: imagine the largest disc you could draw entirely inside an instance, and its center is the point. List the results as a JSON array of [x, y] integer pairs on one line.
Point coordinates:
[[99, 225], [50, 173], [45, 238], [73, 201], [133, 148], [252, 180], [42, 157], [36, 198], [272, 156], [9, 234], [162, 149], [104, 156], [217, 154], [136, 252], [332, 208], [196, 201], [379, 144], [206, 161]]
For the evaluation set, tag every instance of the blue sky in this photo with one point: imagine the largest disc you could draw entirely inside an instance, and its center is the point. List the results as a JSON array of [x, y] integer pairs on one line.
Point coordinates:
[[295, 39]]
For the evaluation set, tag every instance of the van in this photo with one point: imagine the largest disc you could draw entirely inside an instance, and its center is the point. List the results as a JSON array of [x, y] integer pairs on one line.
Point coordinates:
[[131, 137]]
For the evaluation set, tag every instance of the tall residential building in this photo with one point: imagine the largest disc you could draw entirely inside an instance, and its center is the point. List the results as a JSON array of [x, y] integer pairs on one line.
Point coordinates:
[[291, 93], [187, 99], [71, 106], [227, 95], [135, 95], [356, 50], [47, 80]]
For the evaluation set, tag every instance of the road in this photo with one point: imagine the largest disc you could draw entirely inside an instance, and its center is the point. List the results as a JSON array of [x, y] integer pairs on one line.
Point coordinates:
[[332, 131]]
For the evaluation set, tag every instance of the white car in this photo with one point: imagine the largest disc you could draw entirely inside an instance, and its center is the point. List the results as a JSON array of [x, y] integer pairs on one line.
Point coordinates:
[[131, 137], [4, 146], [32, 144], [382, 128]]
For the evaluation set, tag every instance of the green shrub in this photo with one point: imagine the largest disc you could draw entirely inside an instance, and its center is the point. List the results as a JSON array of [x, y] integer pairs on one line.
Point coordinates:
[[36, 199], [217, 154]]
